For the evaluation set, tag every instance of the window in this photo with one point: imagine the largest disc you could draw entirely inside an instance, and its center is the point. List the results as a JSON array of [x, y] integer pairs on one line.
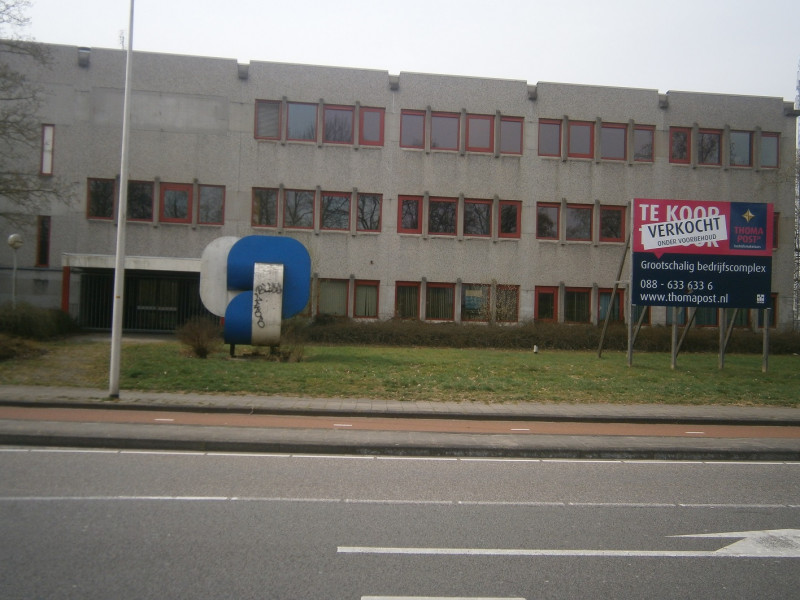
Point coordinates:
[[409, 217], [42, 241], [301, 122], [211, 204], [140, 200], [480, 133], [100, 198], [708, 145], [679, 145], [442, 216], [268, 119], [546, 303], [48, 133], [741, 149], [478, 217], [511, 135], [643, 136], [439, 301], [510, 218], [580, 143], [613, 141], [576, 305], [770, 150], [681, 320], [547, 221], [579, 222], [176, 202], [298, 209], [638, 311], [616, 307], [549, 137], [612, 223], [369, 212], [507, 303], [412, 129], [740, 319], [338, 124], [444, 131], [406, 304], [371, 126], [265, 207], [332, 297], [773, 317], [335, 211], [475, 302], [366, 300]]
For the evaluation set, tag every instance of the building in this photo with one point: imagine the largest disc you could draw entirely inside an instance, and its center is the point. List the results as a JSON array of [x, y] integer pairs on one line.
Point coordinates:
[[418, 196]]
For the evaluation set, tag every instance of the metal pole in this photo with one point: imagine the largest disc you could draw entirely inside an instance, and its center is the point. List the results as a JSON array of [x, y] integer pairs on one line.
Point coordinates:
[[14, 282], [122, 217]]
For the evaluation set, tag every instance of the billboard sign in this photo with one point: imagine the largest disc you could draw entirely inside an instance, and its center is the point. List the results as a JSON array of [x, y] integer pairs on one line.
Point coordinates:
[[712, 254]]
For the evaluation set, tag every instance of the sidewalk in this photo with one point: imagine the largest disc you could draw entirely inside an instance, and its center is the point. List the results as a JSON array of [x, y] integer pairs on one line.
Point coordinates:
[[198, 438]]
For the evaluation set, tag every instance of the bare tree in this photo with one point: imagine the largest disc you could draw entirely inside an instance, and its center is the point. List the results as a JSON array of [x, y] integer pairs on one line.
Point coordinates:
[[23, 191]]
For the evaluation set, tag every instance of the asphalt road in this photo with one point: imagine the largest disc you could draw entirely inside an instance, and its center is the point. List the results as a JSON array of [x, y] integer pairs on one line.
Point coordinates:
[[125, 524]]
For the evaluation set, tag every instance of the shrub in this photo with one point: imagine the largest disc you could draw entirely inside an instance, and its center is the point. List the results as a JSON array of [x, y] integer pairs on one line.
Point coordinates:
[[202, 334], [14, 347], [33, 322]]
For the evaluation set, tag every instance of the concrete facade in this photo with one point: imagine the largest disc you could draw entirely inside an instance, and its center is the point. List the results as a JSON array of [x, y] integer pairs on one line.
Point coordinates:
[[195, 123]]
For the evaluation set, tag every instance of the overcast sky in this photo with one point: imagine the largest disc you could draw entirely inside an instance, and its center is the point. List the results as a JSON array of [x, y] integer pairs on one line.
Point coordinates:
[[734, 46]]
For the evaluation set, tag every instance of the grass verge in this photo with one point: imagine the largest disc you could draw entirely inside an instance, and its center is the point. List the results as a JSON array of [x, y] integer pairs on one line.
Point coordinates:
[[435, 374]]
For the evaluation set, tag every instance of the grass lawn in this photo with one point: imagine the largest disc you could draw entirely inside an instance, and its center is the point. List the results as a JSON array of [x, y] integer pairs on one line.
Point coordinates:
[[422, 374]]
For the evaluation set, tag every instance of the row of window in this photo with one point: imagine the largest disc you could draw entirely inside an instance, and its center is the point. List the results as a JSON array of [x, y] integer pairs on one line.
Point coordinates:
[[433, 301], [564, 138], [177, 202], [697, 146], [578, 221], [282, 120]]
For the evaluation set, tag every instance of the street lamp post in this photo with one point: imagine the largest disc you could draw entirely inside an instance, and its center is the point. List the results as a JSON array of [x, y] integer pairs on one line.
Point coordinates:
[[15, 241]]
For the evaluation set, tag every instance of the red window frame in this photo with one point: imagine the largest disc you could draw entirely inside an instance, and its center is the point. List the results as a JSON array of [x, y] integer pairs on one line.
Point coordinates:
[[473, 120], [346, 195], [471, 201], [407, 284], [176, 187], [558, 219], [401, 200], [651, 131], [620, 316], [702, 133], [380, 211], [574, 126], [381, 112], [367, 283], [346, 284], [542, 291], [286, 194], [776, 219], [556, 122], [253, 222], [687, 131], [338, 108], [484, 316], [438, 285], [277, 135], [518, 226], [583, 208], [404, 143], [43, 230], [777, 138], [607, 209], [504, 149], [586, 292], [444, 201], [603, 150], [449, 116]]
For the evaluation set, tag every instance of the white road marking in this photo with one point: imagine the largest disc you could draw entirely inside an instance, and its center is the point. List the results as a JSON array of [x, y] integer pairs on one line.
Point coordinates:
[[342, 425], [432, 598], [521, 429], [774, 543], [165, 420]]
